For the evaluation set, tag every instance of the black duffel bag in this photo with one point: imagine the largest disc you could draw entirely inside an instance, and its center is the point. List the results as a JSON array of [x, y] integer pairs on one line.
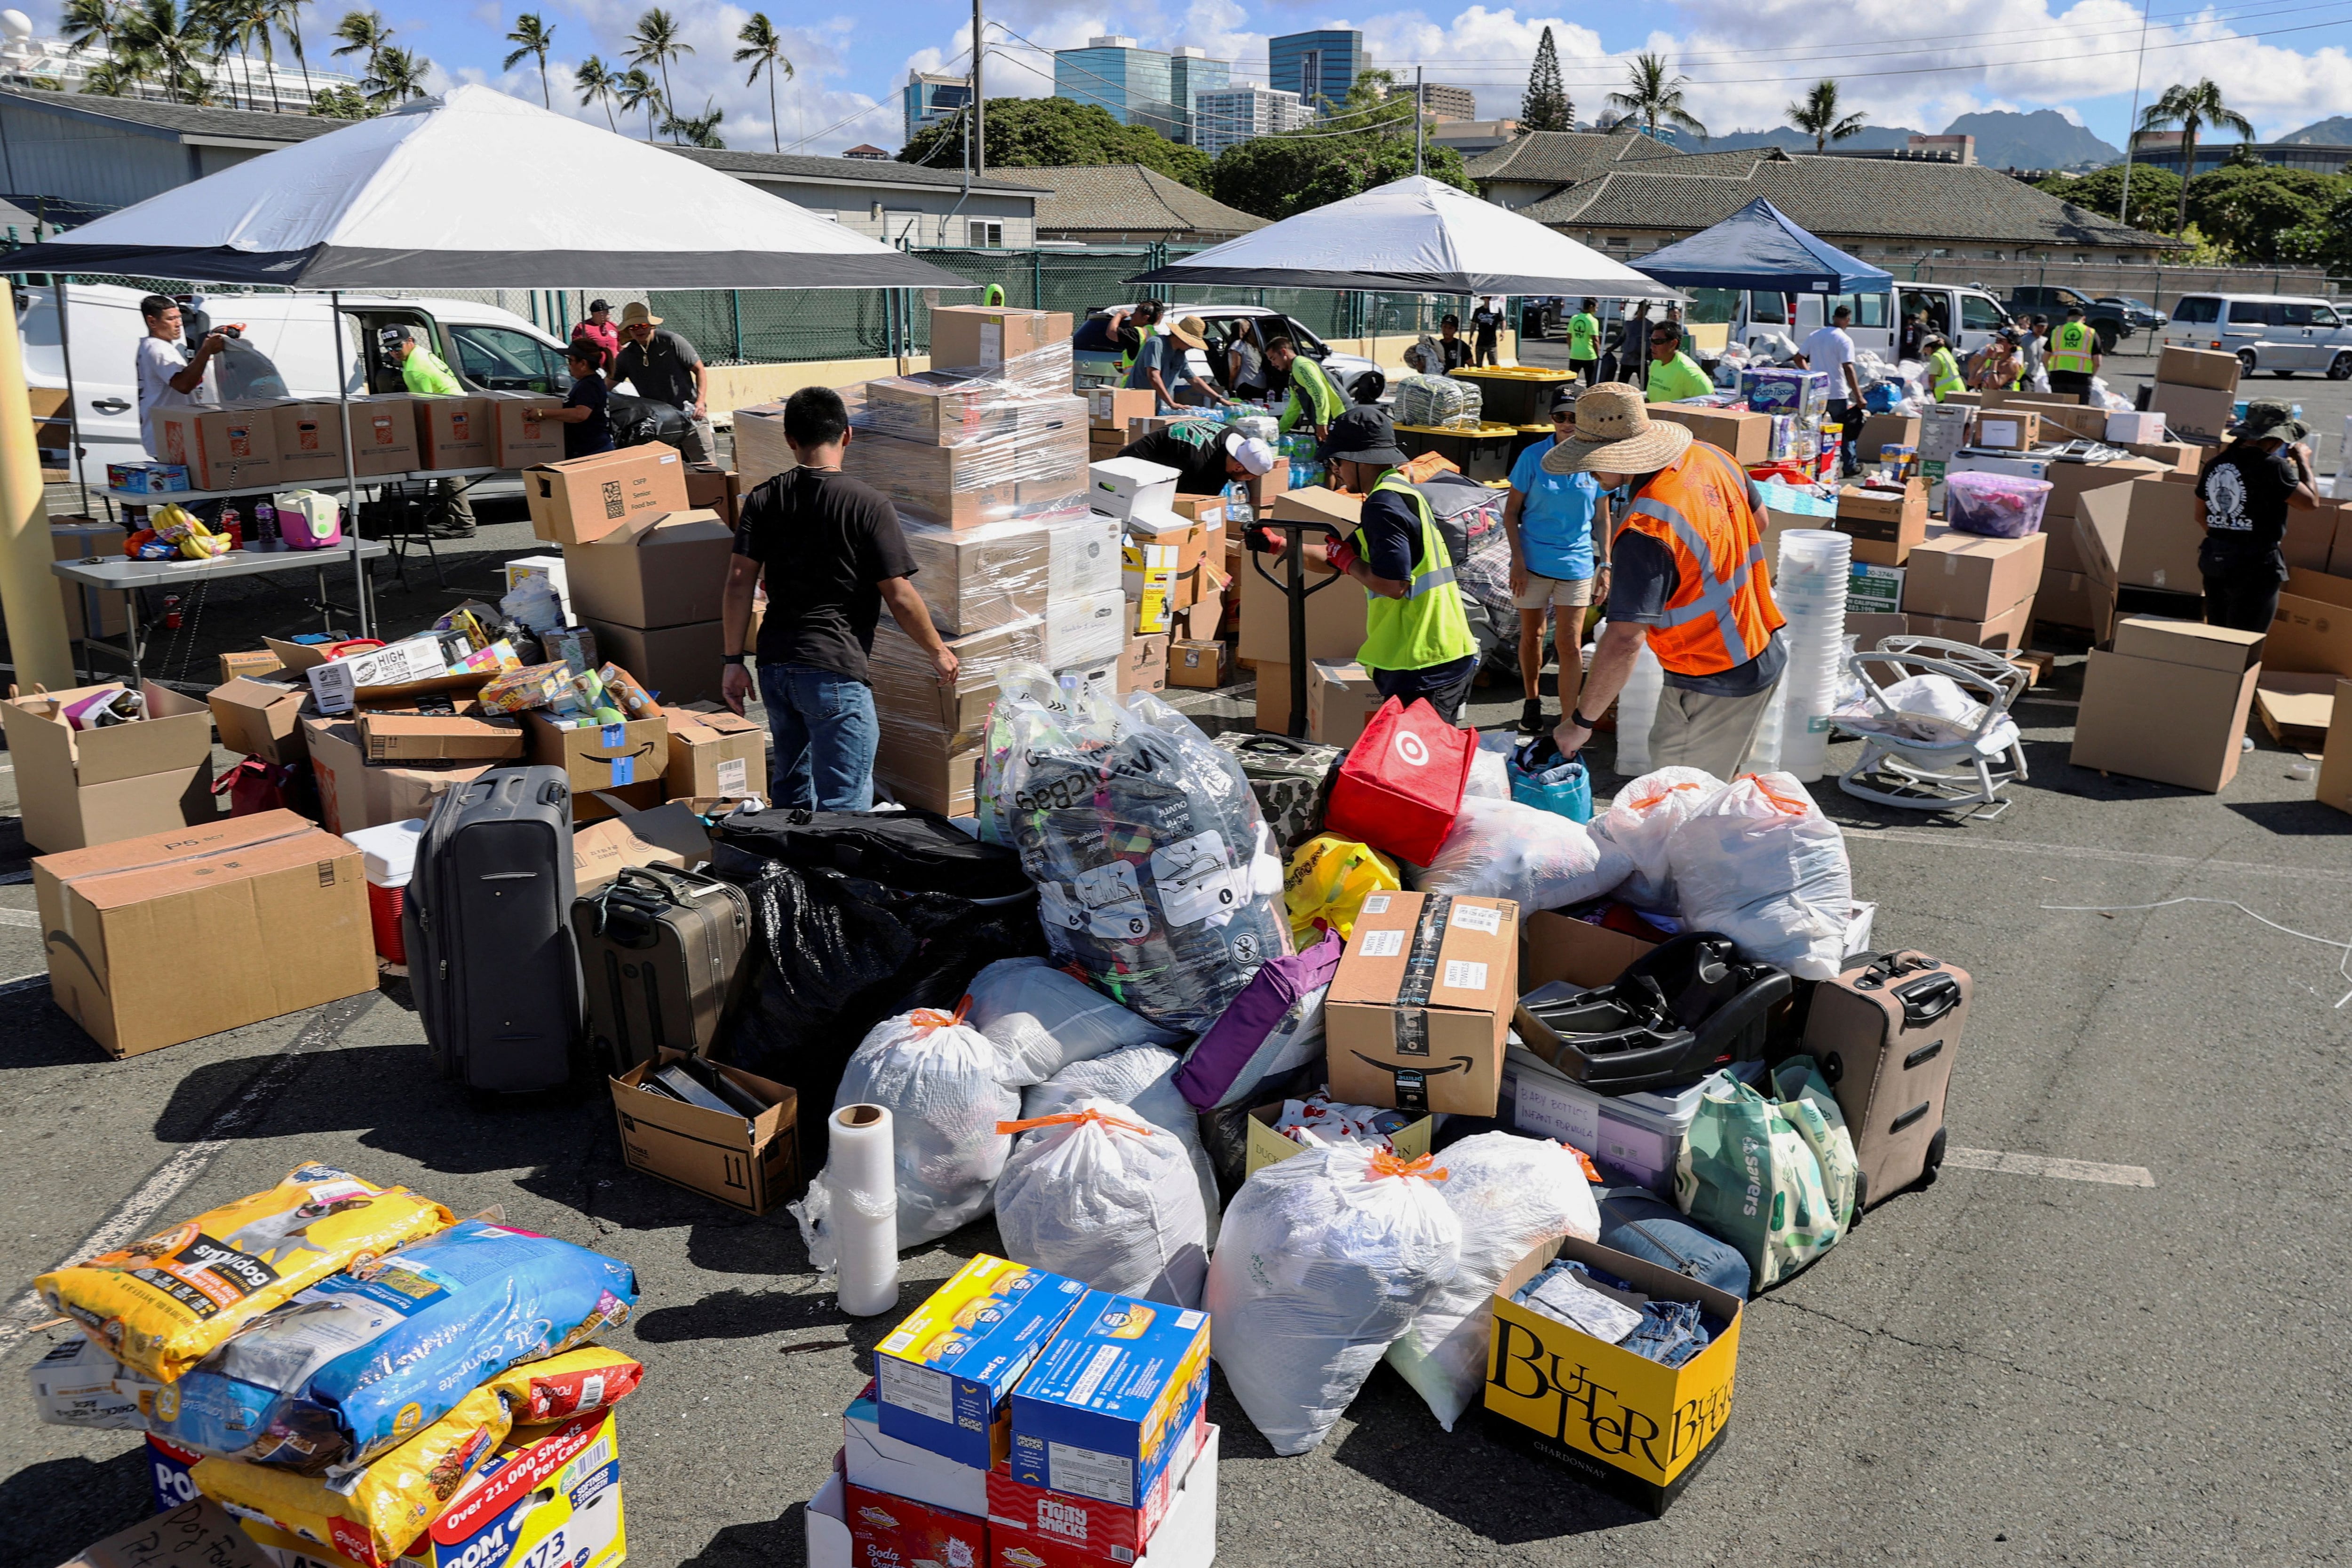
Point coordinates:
[[913, 850]]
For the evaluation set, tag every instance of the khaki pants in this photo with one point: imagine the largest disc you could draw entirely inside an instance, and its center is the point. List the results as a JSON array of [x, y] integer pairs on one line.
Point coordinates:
[[1695, 729]]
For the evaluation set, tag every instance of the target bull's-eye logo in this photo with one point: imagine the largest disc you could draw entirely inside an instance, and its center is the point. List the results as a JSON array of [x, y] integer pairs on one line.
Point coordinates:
[[1411, 749]]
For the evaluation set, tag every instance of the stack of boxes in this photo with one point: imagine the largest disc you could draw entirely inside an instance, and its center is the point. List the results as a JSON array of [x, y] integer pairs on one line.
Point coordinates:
[[1966, 588], [650, 591], [2196, 390], [282, 443], [1172, 553], [1335, 614], [1017, 1418]]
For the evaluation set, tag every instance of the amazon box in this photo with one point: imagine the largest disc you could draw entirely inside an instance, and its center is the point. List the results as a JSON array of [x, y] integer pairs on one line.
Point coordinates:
[[457, 432], [275, 910], [750, 1162], [79, 787], [383, 435], [1417, 1012], [309, 441], [652, 570], [581, 500], [626, 760], [2169, 702]]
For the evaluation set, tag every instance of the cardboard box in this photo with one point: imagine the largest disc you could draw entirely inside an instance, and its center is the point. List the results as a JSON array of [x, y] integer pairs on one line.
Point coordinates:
[[1967, 576], [2012, 628], [1088, 630], [986, 338], [2335, 788], [2179, 457], [1271, 683], [1867, 627], [352, 795], [714, 750], [1335, 614], [2145, 534], [468, 735], [750, 1163], [952, 1393], [260, 718], [625, 760], [716, 490], [455, 433], [1423, 1035], [1112, 1399], [310, 436], [918, 768], [2069, 480], [2313, 630], [1082, 555], [1123, 487], [972, 579], [1874, 590], [1748, 437], [224, 446], [1884, 525], [1199, 665], [2311, 534], [2297, 709], [652, 571], [938, 408], [676, 664], [1030, 1527], [550, 1494], [1618, 1421], [2213, 369], [1208, 511], [875, 1460], [198, 1531], [520, 436], [667, 834], [1340, 700], [75, 788], [1267, 1146], [964, 486], [281, 908], [2063, 599], [2009, 429], [1561, 947], [2170, 702], [2193, 410], [1143, 664], [1880, 430], [582, 500], [1109, 408], [2064, 416], [384, 435], [2125, 427], [336, 684]]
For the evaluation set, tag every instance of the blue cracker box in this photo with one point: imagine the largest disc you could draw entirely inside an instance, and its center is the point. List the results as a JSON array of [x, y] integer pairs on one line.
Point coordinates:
[[942, 1377], [1773, 388], [1104, 1408]]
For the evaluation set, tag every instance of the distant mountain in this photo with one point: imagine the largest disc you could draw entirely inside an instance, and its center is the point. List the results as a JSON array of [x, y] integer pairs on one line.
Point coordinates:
[[2045, 138], [1869, 136], [2336, 131]]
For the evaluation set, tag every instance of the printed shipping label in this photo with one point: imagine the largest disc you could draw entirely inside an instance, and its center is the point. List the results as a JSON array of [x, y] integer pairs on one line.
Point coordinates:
[[1375, 904], [1490, 921], [1463, 974], [733, 776], [1381, 944]]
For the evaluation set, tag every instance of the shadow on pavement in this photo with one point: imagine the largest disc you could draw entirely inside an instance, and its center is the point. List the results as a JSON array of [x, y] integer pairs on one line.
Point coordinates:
[[57, 1507]]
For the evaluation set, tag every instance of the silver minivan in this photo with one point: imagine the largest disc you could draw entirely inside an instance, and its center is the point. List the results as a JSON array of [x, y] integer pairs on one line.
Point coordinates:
[[2280, 333]]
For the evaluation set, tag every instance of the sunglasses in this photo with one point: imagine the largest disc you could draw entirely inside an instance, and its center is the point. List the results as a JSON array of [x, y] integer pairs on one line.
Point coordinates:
[[1666, 338], [1565, 416]]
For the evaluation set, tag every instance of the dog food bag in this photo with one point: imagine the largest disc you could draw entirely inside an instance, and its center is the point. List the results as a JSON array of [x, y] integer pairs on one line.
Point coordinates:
[[158, 1306]]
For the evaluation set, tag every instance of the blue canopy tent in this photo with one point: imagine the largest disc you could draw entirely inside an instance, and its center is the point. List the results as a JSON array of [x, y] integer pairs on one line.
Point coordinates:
[[1759, 247]]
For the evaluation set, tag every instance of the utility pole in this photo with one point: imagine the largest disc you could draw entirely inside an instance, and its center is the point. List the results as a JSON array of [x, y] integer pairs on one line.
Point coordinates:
[[979, 125], [1420, 103], [2131, 126]]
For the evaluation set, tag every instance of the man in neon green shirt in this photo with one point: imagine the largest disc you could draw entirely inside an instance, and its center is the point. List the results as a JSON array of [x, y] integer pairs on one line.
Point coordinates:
[[1584, 343], [1313, 398], [427, 374], [1673, 375]]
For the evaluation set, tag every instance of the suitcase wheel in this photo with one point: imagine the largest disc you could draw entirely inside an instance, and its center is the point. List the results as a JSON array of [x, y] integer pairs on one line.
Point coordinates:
[[1935, 1159], [1861, 1198]]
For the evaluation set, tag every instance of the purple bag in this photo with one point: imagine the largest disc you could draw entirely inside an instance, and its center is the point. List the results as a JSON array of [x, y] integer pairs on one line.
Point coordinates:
[[1275, 1025]]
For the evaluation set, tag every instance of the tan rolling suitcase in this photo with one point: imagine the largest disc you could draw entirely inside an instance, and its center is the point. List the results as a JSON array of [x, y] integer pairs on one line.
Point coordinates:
[[1885, 1032]]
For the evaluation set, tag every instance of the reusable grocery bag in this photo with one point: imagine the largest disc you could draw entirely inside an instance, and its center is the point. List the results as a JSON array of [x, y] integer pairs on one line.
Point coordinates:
[[1751, 1172], [1328, 881], [1401, 783]]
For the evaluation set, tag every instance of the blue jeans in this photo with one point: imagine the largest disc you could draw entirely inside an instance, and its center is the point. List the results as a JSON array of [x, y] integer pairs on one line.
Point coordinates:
[[825, 734]]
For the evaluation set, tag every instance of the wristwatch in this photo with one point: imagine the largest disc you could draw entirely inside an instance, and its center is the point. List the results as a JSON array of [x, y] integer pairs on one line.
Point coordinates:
[[734, 659], [1576, 716]]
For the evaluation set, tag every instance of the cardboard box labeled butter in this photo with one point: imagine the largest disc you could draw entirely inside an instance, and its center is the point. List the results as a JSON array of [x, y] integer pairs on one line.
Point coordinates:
[[1417, 1012], [1112, 1398], [750, 1162], [944, 1377]]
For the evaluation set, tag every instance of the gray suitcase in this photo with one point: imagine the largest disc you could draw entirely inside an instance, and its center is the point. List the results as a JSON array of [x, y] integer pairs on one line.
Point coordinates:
[[489, 924]]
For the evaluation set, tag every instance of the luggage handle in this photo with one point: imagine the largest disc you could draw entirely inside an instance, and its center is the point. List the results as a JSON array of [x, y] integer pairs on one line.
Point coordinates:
[[1927, 999], [1924, 1054], [1264, 741], [554, 792], [1908, 1117]]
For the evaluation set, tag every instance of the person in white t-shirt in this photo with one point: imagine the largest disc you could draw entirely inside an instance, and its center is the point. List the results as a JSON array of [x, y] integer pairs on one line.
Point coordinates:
[[1831, 348], [168, 376]]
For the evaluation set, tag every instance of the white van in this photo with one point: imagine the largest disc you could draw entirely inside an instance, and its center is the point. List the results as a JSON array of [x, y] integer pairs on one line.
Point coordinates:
[[283, 349], [1967, 318], [2281, 333]]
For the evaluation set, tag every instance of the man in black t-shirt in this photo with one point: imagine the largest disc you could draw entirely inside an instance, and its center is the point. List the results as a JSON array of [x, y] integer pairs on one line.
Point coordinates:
[[834, 556], [2242, 496], [1207, 456], [1485, 325]]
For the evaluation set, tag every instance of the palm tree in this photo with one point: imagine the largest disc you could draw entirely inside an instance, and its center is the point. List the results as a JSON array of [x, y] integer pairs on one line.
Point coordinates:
[[363, 33], [86, 22], [638, 90], [702, 132], [259, 17], [597, 83], [118, 75], [173, 40], [1652, 94], [1818, 116], [531, 37], [286, 16], [224, 30], [656, 42], [2191, 109], [398, 75], [765, 50]]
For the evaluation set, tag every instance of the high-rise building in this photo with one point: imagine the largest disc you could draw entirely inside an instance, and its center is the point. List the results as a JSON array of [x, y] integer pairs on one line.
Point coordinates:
[[1318, 67], [1191, 73], [1443, 102], [1222, 117], [931, 98], [1134, 84]]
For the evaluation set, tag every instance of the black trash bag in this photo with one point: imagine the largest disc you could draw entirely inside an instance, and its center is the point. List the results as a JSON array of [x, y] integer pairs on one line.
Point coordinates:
[[837, 955], [914, 850], [1224, 1132]]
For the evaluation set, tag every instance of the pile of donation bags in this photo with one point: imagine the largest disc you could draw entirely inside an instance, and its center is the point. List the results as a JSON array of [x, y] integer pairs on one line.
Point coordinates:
[[339, 1365]]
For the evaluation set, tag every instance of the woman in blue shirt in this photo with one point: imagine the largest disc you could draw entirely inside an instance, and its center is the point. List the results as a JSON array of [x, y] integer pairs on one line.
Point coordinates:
[[1553, 521]]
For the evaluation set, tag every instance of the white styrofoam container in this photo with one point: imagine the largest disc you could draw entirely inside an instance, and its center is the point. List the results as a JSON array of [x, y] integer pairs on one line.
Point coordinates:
[[389, 851]]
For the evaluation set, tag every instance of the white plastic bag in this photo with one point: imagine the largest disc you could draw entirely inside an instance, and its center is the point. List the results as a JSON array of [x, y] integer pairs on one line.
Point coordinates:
[[1099, 1194], [1762, 865], [1642, 817], [1041, 1019], [1327, 1258], [937, 1077], [1490, 770], [1142, 1079], [1501, 849], [1512, 1195]]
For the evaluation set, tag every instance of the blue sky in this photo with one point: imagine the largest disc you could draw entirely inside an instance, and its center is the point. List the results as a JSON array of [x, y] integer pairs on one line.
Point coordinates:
[[2284, 63]]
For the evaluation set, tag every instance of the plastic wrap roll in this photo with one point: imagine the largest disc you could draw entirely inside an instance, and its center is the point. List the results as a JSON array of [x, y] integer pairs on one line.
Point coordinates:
[[865, 1209]]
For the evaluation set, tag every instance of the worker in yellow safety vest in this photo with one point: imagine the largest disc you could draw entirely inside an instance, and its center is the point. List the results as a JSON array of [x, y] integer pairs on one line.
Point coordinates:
[[1944, 379], [2073, 354], [1313, 399]]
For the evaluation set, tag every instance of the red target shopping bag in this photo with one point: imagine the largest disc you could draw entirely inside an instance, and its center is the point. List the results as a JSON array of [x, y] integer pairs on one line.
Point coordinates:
[[1400, 785]]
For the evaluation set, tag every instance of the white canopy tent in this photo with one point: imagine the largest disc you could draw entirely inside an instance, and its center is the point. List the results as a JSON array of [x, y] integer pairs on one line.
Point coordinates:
[[473, 190], [1412, 235]]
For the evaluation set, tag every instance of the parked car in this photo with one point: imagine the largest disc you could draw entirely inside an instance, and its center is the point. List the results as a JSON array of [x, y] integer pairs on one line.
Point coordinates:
[[1353, 375], [2137, 313], [2108, 319], [2283, 334]]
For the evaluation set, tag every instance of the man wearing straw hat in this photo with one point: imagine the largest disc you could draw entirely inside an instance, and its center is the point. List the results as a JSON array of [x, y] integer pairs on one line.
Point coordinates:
[[664, 368], [1687, 571]]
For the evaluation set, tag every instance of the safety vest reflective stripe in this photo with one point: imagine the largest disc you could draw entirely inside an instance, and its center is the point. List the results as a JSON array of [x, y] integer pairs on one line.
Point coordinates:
[[1716, 593], [1423, 581], [1428, 626], [1716, 619], [2072, 346]]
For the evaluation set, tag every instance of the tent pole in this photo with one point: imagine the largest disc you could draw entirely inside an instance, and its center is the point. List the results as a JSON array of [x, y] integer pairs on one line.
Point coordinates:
[[350, 458], [73, 402]]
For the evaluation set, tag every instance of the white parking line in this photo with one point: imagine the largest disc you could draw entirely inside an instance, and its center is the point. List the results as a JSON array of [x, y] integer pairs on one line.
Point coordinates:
[[2008, 1164], [2083, 853]]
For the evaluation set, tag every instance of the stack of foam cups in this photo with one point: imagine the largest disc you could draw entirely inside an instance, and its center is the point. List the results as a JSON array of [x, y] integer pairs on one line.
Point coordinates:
[[1637, 708], [1811, 587]]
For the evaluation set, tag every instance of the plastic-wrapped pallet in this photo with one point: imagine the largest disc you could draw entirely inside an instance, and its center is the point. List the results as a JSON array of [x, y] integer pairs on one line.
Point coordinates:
[[761, 451], [1026, 457], [929, 754], [973, 579]]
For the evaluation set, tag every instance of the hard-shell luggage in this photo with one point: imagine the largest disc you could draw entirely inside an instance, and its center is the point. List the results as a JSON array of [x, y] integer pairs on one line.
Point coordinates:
[[1885, 1032], [911, 851], [1291, 779], [661, 959], [488, 927]]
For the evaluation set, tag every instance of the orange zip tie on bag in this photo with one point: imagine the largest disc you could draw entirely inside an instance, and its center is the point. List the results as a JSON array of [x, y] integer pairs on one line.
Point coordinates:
[[1071, 1118], [931, 1018], [1383, 1164]]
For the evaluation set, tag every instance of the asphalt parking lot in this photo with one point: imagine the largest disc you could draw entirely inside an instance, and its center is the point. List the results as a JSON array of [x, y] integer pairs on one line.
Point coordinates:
[[2139, 1356]]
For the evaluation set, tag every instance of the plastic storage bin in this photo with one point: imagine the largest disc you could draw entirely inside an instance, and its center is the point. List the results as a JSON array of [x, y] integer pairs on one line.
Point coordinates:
[[1997, 506], [389, 853]]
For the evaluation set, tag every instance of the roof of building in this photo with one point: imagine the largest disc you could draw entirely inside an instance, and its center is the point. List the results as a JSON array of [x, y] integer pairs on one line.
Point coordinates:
[[185, 118], [1605, 184], [853, 171], [1126, 198]]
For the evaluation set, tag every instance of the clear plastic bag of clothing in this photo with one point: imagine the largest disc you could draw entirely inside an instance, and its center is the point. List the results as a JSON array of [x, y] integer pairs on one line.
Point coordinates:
[[1502, 849], [1156, 875], [936, 1075], [1041, 1019], [1099, 1194], [1762, 865], [1143, 1078]]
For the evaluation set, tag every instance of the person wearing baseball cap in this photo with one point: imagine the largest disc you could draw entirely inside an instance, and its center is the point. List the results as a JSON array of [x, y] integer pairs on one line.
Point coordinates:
[[1207, 456], [450, 515], [597, 326], [664, 368], [1558, 523], [1417, 639], [1687, 574], [2242, 495]]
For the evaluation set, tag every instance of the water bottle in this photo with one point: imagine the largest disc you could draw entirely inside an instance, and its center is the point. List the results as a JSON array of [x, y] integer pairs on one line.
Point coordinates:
[[1637, 708]]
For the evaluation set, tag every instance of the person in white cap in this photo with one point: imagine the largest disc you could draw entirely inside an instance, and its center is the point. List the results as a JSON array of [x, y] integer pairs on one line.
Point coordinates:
[[1207, 456]]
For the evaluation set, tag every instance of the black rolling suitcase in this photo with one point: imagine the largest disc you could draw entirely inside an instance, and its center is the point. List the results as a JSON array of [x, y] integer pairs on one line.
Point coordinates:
[[487, 921], [1885, 1032], [661, 960]]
